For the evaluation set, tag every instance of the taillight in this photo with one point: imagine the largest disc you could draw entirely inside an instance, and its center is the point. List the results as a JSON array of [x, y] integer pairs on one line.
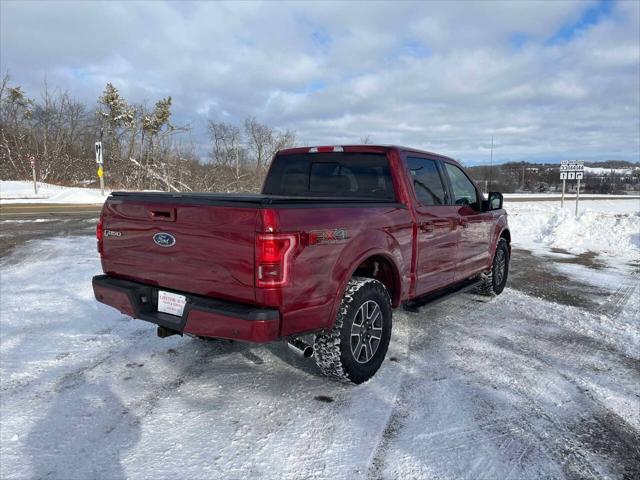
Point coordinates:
[[99, 234], [273, 258]]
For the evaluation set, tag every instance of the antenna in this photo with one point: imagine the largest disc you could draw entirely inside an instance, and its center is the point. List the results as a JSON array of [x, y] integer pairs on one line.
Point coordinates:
[[490, 166]]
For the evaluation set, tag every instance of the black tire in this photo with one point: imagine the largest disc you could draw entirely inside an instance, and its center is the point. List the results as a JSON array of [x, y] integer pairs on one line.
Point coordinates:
[[493, 283], [346, 352]]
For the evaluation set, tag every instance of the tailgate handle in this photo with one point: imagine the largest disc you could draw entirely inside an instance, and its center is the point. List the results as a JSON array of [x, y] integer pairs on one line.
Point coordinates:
[[168, 215]]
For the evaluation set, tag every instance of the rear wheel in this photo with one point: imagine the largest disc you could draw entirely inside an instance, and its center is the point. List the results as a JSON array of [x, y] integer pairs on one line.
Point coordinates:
[[493, 283], [355, 347]]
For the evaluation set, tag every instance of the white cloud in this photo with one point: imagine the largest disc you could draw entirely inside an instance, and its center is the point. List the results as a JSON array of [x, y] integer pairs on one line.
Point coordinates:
[[437, 75]]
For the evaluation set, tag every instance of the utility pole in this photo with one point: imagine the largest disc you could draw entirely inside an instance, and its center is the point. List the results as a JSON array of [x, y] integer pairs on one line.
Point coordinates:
[[490, 167]]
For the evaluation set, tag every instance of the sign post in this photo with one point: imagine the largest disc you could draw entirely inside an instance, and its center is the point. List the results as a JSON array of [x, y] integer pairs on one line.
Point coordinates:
[[571, 170], [33, 171], [563, 177], [579, 176], [100, 162]]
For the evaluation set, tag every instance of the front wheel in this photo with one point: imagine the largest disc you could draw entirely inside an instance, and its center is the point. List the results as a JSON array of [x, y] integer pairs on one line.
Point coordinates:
[[355, 347], [494, 282]]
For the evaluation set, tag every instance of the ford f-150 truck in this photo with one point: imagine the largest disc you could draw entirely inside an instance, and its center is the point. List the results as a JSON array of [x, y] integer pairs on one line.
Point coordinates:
[[338, 237]]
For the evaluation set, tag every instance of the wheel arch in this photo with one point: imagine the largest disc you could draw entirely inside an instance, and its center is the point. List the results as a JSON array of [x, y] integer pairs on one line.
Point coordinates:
[[506, 234], [374, 263], [380, 267]]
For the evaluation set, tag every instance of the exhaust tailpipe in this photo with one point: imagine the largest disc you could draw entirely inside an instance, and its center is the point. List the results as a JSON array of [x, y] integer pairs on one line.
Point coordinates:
[[166, 332], [301, 348]]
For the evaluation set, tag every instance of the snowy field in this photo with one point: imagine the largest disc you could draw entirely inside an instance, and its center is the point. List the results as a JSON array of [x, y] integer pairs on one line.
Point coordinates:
[[516, 387], [22, 192]]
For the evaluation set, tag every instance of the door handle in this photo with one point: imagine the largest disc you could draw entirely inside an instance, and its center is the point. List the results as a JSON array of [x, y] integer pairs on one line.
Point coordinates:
[[162, 214], [426, 227], [464, 224]]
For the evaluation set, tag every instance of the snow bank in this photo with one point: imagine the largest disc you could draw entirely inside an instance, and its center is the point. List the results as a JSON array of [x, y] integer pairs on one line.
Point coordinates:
[[568, 196], [612, 229], [22, 192]]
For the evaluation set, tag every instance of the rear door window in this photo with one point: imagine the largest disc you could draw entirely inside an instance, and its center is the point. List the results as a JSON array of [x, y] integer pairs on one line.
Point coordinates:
[[333, 174], [427, 181]]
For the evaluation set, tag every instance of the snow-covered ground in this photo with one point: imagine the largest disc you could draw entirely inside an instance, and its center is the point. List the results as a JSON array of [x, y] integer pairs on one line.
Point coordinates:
[[22, 192], [517, 387]]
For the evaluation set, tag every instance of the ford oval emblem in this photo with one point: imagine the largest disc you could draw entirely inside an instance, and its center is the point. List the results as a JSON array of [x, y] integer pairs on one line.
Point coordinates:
[[164, 239]]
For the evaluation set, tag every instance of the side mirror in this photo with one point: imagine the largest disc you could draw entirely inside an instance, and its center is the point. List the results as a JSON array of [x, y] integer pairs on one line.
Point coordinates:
[[495, 200]]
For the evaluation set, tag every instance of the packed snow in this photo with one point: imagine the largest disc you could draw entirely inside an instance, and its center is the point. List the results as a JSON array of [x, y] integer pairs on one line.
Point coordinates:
[[514, 387], [609, 228], [22, 192]]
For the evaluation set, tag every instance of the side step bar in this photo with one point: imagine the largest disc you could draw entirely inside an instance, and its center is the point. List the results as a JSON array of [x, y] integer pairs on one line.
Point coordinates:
[[441, 295]]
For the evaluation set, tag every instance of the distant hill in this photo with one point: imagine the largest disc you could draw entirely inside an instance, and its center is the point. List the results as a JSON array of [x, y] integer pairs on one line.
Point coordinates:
[[613, 164]]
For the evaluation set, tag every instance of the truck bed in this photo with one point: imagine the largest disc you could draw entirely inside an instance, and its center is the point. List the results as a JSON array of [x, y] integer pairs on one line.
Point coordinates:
[[250, 199]]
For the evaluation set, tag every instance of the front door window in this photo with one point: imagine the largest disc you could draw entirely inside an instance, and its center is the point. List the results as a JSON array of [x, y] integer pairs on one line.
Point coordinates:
[[464, 192]]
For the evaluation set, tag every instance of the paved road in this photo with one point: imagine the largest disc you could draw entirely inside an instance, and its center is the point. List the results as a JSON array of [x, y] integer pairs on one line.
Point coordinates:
[[43, 210], [567, 198], [22, 223]]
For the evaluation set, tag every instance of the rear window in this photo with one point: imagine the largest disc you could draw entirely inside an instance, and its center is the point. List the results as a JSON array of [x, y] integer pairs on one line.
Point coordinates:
[[335, 174]]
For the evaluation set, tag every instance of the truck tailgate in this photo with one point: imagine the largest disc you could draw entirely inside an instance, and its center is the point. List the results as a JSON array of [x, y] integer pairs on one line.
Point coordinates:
[[205, 249]]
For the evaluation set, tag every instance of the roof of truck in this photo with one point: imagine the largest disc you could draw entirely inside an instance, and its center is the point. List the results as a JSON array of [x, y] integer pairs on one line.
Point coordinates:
[[362, 148]]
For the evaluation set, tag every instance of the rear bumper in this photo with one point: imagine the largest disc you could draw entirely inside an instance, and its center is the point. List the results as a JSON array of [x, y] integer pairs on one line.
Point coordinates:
[[203, 316]]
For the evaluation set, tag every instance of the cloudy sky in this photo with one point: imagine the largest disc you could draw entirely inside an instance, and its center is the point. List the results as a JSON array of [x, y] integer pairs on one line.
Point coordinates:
[[549, 80]]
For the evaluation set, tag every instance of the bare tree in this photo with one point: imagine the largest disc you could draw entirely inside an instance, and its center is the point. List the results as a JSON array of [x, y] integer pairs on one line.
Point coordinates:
[[143, 148]]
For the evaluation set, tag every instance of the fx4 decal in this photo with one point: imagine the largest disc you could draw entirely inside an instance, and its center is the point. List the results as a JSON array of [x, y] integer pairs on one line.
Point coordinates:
[[318, 237]]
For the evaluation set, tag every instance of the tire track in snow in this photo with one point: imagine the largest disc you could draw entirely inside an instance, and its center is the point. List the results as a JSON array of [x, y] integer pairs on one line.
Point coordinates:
[[616, 302], [399, 410], [587, 408], [539, 430], [377, 397], [570, 455]]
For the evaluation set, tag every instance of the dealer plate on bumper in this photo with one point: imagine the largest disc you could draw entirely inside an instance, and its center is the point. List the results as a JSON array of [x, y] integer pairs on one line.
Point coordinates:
[[171, 303]]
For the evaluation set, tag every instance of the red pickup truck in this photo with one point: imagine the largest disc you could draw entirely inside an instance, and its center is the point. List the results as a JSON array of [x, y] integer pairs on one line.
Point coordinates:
[[339, 236]]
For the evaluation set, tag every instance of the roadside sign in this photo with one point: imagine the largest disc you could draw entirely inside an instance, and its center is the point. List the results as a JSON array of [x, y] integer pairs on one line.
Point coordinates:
[[98, 147], [573, 166], [32, 159], [100, 171], [571, 170]]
